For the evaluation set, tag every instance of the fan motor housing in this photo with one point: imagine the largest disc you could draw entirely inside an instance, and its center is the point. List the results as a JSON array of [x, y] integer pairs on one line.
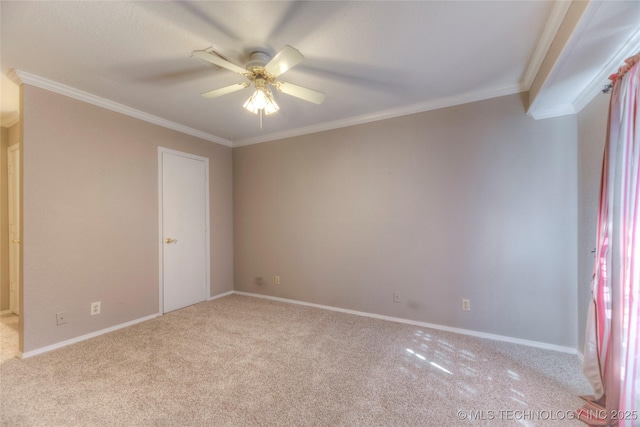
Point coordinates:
[[257, 60]]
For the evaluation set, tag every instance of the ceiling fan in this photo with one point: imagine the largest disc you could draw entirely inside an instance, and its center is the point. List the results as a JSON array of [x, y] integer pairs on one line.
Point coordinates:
[[262, 72]]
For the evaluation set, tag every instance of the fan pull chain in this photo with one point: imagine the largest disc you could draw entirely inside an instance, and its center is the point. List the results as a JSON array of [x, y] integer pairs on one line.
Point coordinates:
[[261, 110]]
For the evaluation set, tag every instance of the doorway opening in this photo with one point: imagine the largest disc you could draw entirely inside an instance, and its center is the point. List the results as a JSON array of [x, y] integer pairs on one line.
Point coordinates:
[[10, 159]]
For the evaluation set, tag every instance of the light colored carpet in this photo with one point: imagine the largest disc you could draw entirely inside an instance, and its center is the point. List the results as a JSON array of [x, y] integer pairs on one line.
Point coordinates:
[[243, 361], [8, 337]]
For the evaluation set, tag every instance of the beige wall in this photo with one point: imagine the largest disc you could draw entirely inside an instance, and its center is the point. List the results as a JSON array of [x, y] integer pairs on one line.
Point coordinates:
[[592, 129], [475, 201], [90, 215]]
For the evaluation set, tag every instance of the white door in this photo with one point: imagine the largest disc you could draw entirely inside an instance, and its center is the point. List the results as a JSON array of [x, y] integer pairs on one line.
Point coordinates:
[[184, 229], [13, 166]]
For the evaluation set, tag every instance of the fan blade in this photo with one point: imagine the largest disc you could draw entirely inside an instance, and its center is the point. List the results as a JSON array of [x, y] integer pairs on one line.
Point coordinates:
[[216, 60], [284, 60], [224, 90], [301, 92]]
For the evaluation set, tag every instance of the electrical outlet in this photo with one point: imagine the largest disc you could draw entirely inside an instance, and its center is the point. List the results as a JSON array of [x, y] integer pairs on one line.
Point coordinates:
[[396, 297], [276, 280], [466, 305], [95, 308], [61, 318]]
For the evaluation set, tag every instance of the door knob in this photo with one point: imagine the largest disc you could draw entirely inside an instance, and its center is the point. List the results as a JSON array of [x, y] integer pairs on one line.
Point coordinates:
[[169, 240]]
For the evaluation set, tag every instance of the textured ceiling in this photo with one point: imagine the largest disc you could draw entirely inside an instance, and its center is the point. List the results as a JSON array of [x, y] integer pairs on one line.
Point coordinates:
[[372, 59]]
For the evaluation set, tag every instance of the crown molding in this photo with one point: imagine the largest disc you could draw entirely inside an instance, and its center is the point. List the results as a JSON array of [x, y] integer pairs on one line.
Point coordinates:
[[14, 77], [21, 77], [557, 59], [630, 48], [556, 111], [9, 118], [435, 104], [558, 13], [585, 57]]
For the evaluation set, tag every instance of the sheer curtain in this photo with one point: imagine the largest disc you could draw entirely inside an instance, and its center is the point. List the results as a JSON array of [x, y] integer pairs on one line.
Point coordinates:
[[612, 352]]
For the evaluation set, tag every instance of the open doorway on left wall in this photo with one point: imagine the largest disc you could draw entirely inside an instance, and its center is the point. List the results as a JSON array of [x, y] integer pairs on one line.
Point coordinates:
[[10, 218], [10, 320]]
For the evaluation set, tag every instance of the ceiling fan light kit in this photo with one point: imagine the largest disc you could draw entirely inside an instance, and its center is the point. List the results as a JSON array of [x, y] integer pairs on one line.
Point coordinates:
[[262, 71], [261, 100]]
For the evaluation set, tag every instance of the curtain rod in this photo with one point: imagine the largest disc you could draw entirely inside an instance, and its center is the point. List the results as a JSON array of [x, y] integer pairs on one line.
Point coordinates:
[[628, 64]]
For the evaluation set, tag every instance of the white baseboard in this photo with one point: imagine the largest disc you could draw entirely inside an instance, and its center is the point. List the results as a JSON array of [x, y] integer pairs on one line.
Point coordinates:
[[580, 356], [84, 337], [494, 337], [100, 332], [220, 295]]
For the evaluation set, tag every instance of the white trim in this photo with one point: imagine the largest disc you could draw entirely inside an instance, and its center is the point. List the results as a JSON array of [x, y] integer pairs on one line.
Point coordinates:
[[324, 307], [580, 355], [84, 337], [435, 104], [20, 77], [14, 203], [207, 227], [562, 57], [41, 82], [9, 118], [224, 294], [14, 77], [594, 88], [161, 151], [486, 335], [558, 12], [557, 111], [160, 236]]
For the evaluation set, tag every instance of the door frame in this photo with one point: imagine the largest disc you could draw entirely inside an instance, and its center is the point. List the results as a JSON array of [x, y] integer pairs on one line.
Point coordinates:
[[14, 205], [161, 152]]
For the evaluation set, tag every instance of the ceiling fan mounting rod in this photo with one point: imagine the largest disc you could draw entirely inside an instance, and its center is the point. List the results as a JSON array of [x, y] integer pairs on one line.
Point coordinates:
[[257, 59], [256, 67]]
